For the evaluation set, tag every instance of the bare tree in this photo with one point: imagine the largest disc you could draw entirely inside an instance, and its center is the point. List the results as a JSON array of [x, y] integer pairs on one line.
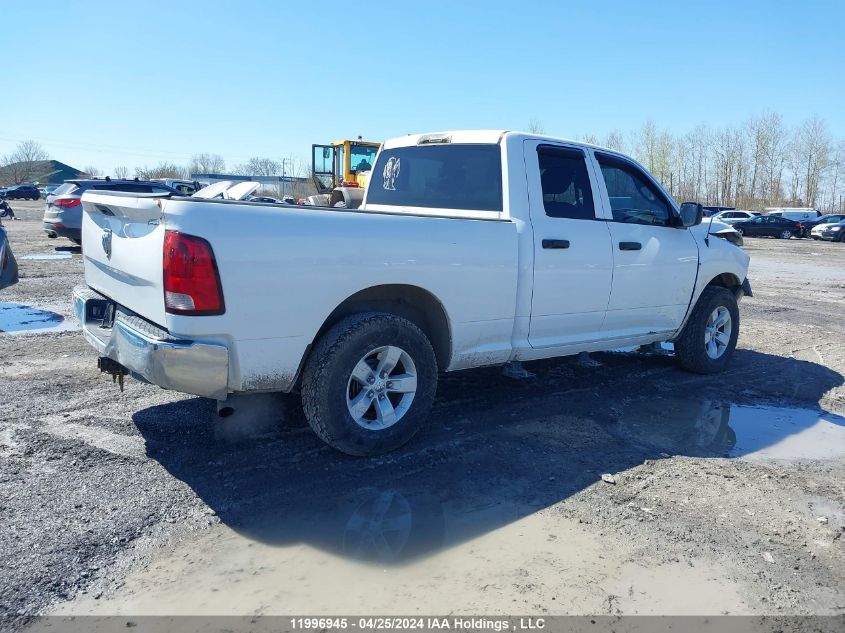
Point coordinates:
[[24, 163], [535, 126], [162, 170], [812, 146], [207, 164], [121, 172], [258, 166], [615, 141], [92, 171]]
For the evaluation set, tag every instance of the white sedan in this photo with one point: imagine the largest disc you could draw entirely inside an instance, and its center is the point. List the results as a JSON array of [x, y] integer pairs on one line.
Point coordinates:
[[729, 217]]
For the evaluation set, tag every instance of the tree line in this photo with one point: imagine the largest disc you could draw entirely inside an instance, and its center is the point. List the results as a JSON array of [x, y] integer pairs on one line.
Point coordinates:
[[760, 163]]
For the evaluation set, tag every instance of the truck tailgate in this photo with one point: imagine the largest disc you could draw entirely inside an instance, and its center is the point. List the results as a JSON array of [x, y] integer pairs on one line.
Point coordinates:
[[122, 246]]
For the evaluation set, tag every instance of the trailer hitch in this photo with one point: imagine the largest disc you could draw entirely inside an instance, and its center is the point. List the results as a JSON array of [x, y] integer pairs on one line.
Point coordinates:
[[113, 368]]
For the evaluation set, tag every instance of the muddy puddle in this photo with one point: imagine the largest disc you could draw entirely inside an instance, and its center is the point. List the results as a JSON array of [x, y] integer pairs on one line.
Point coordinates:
[[720, 429], [537, 560], [478, 531], [19, 318]]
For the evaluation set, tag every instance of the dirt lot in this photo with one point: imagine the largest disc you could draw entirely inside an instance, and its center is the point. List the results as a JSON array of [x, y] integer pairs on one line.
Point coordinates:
[[728, 493]]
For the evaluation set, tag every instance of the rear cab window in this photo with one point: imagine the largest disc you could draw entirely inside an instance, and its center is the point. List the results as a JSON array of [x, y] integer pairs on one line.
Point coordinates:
[[448, 177]]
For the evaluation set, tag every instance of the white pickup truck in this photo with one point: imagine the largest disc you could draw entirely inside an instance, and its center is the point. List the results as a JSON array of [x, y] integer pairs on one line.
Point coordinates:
[[471, 248]]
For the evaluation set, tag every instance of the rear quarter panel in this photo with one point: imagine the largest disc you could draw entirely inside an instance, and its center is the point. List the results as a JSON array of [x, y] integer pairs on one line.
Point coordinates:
[[284, 270]]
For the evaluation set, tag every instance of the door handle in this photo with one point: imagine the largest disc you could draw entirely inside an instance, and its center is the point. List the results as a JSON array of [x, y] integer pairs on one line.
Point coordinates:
[[555, 243], [630, 246]]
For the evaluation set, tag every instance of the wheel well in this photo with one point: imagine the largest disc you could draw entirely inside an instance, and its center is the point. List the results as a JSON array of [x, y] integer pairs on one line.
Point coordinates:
[[726, 280], [419, 306]]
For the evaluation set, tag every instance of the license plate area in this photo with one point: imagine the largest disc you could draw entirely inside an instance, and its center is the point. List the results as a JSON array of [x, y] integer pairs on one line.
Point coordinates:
[[100, 312]]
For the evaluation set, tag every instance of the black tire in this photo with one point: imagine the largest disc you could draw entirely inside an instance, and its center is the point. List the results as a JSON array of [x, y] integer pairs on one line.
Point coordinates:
[[690, 348], [785, 234], [327, 373]]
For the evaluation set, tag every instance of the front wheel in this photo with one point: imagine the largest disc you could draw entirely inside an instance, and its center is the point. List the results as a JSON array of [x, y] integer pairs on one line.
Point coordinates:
[[739, 230], [369, 383], [785, 235], [708, 339]]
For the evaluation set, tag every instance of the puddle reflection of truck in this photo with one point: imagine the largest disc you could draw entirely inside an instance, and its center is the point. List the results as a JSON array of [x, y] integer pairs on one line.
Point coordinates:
[[472, 248]]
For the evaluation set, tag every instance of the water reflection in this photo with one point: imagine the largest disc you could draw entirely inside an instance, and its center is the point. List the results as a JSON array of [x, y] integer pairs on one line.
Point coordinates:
[[19, 318], [708, 428]]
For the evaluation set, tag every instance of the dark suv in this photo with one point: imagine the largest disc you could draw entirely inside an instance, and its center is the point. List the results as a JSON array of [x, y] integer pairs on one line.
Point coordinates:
[[20, 192], [63, 213]]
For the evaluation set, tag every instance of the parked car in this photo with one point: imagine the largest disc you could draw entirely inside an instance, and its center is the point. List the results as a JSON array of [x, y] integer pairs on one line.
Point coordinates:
[[808, 225], [20, 192], [723, 230], [769, 226], [730, 217], [452, 262], [63, 211], [46, 191], [832, 232], [185, 187], [8, 265], [711, 210], [797, 214]]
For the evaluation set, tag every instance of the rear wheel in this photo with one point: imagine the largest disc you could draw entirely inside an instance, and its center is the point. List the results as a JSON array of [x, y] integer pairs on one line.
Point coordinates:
[[708, 340], [785, 235], [369, 383], [739, 230]]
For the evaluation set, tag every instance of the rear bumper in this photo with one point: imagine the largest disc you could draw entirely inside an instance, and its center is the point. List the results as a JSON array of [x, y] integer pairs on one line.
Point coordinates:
[[60, 230], [149, 352]]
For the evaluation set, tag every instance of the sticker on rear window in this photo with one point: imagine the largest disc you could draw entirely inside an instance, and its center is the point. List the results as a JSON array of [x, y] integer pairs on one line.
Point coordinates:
[[391, 172]]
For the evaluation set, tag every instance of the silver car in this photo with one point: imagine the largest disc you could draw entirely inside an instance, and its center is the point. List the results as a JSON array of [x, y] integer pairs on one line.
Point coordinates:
[[63, 212]]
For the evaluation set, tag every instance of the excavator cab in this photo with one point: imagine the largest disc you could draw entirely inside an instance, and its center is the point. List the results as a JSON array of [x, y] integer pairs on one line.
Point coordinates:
[[342, 164]]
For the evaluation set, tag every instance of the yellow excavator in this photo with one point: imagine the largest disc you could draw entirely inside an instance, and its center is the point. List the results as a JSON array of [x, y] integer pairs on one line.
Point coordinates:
[[340, 172]]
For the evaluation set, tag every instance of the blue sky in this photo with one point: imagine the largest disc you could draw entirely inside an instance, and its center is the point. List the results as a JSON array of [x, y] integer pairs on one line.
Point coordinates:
[[126, 83]]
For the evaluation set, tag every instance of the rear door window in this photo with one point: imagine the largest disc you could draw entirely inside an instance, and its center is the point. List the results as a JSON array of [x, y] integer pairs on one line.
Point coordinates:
[[565, 184], [461, 176]]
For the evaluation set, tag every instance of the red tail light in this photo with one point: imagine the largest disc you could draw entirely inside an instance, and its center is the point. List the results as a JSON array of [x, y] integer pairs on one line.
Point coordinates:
[[191, 281], [67, 202]]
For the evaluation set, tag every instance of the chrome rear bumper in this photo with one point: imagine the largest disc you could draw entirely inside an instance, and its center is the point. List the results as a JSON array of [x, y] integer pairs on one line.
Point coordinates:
[[149, 351]]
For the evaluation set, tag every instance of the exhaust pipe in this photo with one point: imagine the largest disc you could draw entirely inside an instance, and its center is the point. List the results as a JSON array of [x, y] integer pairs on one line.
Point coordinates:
[[225, 408]]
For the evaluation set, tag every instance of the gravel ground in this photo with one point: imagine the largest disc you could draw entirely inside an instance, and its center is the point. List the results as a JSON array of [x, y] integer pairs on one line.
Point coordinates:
[[727, 489]]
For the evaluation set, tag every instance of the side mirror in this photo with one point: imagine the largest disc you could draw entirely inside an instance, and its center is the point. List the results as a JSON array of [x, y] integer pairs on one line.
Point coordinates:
[[691, 214]]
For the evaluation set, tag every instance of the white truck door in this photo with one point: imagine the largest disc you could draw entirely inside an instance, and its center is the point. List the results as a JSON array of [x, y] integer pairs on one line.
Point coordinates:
[[656, 262], [573, 260]]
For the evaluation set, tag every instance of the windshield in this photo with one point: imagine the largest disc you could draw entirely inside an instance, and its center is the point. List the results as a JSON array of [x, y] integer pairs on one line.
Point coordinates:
[[362, 157]]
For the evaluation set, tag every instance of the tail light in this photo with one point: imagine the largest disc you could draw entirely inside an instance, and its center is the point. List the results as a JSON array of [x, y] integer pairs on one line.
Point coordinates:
[[191, 281], [67, 203]]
